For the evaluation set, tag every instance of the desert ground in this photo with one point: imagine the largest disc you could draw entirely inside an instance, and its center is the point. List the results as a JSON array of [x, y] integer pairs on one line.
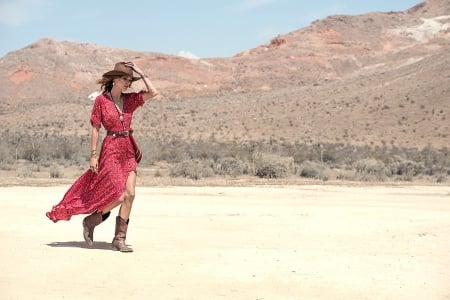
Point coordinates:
[[253, 242]]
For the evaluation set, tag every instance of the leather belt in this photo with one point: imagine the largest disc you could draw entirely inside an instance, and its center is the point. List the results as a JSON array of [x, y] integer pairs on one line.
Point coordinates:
[[118, 133]]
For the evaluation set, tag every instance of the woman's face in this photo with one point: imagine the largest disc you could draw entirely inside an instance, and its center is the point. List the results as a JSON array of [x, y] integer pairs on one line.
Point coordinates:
[[123, 82]]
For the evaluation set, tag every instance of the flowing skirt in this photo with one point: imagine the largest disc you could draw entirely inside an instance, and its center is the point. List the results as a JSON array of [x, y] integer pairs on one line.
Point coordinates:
[[92, 192]]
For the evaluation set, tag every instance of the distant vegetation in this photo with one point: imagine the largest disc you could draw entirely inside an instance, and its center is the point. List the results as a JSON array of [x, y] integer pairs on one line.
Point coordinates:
[[196, 159]]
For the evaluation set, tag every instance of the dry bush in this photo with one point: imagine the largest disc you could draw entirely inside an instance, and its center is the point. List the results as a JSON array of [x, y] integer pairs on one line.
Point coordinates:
[[347, 175], [193, 169], [441, 178], [370, 169], [230, 166], [32, 152], [55, 172], [266, 165], [405, 169], [6, 158], [26, 170], [435, 161], [314, 170], [269, 158]]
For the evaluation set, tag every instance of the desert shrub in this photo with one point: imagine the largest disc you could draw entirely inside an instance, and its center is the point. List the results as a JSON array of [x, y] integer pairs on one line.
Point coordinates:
[[6, 155], [172, 152], [371, 169], [32, 152], [435, 161], [151, 152], [66, 150], [55, 172], [304, 153], [25, 171], [202, 150], [272, 165], [235, 156], [311, 170], [6, 158], [328, 155], [6, 167], [35, 167], [409, 168], [404, 168], [230, 166], [441, 178], [346, 175], [193, 169], [316, 170], [47, 148], [46, 164]]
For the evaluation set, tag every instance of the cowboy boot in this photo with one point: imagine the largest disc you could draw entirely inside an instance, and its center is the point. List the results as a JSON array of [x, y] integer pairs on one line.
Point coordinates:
[[89, 224], [118, 242]]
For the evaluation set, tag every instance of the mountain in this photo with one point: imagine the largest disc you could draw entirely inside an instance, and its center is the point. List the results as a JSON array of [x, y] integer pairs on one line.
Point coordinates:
[[380, 78]]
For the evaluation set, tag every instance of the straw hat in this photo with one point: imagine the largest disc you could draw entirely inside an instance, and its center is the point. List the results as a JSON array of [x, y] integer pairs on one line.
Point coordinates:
[[120, 69]]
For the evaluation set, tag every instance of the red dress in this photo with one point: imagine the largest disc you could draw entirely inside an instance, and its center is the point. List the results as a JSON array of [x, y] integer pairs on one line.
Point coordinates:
[[94, 191]]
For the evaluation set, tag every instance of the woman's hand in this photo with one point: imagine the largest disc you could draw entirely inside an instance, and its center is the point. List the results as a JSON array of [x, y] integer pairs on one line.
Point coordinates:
[[94, 164], [135, 68]]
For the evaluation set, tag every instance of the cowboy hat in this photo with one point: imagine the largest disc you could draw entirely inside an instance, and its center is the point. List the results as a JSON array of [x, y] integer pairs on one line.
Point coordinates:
[[120, 69]]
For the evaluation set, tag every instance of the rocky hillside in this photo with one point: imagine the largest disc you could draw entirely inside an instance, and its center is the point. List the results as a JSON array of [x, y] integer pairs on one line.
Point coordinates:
[[372, 79]]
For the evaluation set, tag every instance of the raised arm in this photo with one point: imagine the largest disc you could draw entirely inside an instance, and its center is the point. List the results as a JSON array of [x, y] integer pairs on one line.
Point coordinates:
[[151, 91]]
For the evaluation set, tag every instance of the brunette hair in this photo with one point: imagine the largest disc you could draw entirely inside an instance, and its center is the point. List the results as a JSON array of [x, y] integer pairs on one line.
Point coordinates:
[[106, 84]]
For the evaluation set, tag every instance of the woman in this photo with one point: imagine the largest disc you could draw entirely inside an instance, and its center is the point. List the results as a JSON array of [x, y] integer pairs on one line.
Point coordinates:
[[111, 179]]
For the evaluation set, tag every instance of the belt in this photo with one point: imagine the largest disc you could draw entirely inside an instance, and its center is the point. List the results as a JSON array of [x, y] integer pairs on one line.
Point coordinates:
[[119, 133]]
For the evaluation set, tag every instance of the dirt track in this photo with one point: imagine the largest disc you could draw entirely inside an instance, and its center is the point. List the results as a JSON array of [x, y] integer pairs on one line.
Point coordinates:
[[296, 242]]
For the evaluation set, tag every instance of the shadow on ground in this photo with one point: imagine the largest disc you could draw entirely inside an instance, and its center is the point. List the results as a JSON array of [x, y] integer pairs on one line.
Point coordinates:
[[81, 244]]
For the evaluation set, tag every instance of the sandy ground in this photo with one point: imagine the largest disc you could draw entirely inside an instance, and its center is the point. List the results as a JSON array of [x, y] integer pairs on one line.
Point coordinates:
[[263, 242]]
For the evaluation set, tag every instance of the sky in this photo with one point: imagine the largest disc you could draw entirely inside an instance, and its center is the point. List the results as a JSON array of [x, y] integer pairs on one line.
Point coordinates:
[[195, 28]]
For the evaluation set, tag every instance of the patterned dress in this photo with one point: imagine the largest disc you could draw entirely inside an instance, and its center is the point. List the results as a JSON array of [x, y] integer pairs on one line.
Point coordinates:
[[94, 191]]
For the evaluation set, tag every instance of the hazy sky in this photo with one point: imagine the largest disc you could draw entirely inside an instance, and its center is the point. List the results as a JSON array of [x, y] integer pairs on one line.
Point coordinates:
[[203, 28]]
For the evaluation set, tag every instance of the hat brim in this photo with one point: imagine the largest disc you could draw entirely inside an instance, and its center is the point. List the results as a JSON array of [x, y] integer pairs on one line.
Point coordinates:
[[115, 73]]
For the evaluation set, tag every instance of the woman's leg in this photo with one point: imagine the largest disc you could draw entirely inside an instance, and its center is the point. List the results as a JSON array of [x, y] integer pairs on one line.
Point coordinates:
[[128, 197], [113, 205], [89, 224], [122, 219]]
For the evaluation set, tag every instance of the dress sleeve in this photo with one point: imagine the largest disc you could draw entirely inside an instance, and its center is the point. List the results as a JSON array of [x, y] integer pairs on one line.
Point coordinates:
[[135, 100], [96, 115]]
